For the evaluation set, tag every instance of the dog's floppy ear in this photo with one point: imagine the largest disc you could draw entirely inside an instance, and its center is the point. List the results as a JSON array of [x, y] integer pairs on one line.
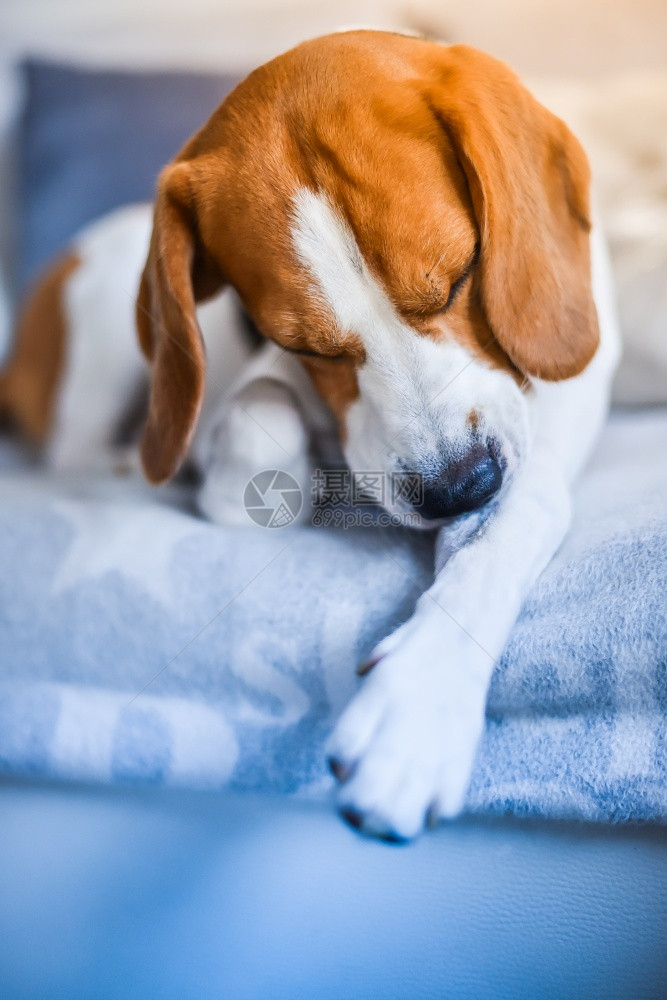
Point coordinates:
[[529, 183], [178, 273]]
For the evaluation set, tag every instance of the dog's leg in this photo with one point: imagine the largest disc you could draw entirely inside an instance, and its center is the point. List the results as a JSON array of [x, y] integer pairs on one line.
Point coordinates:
[[264, 423], [407, 742], [408, 739], [404, 748]]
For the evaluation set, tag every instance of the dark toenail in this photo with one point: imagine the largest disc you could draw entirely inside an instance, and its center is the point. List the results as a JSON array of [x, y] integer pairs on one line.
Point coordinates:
[[353, 817], [432, 816], [340, 771], [366, 667], [392, 838]]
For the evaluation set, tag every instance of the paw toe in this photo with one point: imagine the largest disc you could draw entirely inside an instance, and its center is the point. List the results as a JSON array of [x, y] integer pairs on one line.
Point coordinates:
[[370, 827]]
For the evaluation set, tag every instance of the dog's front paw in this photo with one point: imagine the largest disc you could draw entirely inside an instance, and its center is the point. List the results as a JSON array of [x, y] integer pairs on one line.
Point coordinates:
[[256, 460], [404, 748]]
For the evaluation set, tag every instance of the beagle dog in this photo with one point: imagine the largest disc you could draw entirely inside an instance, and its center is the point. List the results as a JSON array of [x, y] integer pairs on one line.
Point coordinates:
[[410, 231]]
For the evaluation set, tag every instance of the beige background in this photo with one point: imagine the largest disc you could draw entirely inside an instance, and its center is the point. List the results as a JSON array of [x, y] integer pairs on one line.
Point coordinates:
[[549, 37], [555, 37]]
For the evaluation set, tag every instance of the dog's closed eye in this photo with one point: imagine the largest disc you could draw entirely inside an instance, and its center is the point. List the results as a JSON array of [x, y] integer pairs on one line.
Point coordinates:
[[318, 355], [457, 285]]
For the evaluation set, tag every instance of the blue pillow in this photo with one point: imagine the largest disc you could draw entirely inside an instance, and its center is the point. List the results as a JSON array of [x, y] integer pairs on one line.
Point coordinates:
[[91, 140]]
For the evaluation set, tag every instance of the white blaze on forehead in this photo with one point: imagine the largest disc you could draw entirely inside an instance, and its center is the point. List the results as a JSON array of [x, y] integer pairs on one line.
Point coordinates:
[[326, 247]]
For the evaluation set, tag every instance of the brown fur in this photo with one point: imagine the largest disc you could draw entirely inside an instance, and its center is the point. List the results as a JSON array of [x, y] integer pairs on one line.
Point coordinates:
[[529, 183], [426, 150], [30, 382]]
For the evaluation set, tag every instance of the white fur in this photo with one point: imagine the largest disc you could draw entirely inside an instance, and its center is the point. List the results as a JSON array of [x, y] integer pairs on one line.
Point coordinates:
[[264, 422], [415, 395], [102, 364], [409, 737]]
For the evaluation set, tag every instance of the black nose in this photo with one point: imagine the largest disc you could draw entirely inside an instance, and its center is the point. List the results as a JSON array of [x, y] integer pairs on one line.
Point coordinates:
[[464, 485]]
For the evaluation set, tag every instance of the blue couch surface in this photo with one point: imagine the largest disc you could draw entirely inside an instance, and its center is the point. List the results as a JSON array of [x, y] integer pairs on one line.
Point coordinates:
[[123, 893]]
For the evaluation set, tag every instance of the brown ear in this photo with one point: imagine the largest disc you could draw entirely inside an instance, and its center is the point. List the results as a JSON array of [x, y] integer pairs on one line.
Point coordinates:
[[178, 273], [529, 182]]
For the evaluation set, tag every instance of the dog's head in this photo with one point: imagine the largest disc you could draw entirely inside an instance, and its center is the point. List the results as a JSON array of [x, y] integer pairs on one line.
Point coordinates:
[[408, 219]]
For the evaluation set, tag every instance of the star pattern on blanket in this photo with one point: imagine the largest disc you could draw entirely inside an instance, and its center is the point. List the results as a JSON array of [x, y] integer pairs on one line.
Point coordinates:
[[135, 540]]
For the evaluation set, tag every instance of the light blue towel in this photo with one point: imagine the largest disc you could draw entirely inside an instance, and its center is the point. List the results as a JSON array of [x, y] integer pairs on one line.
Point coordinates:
[[141, 644]]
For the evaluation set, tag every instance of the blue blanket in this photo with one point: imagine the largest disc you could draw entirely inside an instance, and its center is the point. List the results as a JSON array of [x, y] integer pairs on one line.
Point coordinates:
[[140, 644]]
